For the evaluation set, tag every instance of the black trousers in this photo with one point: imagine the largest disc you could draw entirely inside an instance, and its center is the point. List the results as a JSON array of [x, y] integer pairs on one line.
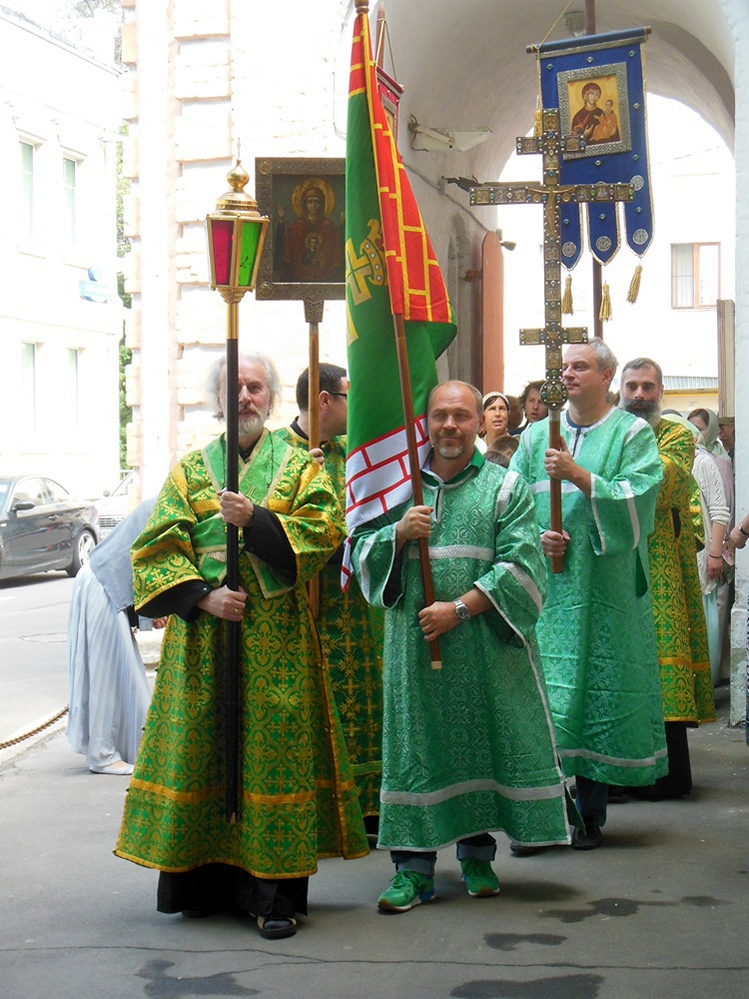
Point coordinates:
[[222, 887], [678, 780]]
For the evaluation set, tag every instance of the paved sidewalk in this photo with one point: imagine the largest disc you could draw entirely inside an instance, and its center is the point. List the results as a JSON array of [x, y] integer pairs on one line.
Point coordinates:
[[662, 909]]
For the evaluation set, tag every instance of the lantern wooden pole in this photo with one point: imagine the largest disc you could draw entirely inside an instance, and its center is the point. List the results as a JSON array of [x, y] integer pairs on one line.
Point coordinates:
[[233, 628], [236, 233]]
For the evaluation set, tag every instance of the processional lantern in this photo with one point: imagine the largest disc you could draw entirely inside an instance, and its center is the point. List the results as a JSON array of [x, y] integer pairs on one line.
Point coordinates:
[[236, 233]]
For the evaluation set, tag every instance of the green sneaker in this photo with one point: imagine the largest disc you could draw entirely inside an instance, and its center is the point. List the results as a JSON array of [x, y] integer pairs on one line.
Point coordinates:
[[480, 879], [407, 889]]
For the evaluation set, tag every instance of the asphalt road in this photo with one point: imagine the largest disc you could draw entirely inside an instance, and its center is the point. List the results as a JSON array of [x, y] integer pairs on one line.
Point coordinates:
[[33, 636]]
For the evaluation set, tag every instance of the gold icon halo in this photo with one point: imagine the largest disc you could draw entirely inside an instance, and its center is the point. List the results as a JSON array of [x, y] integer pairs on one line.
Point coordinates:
[[297, 197]]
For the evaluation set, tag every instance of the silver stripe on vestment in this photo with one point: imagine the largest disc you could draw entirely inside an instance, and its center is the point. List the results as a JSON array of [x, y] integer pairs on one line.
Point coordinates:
[[365, 581], [588, 754], [627, 490], [504, 493], [636, 428], [525, 581], [594, 508], [544, 485], [455, 551], [430, 798]]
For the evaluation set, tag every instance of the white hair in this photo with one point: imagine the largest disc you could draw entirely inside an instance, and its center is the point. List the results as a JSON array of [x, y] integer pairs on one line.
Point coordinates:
[[213, 379]]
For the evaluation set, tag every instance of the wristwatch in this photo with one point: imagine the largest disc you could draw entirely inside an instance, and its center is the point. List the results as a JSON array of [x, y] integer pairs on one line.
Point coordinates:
[[461, 611]]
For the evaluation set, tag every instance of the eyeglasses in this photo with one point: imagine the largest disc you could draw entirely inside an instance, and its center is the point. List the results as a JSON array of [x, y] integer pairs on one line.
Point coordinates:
[[343, 395]]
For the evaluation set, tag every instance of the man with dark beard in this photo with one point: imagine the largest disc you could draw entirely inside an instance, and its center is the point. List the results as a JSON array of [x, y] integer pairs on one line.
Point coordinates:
[[681, 633]]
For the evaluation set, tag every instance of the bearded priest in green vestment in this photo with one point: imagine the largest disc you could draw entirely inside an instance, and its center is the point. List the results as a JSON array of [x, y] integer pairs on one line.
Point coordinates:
[[351, 632], [596, 631], [298, 799], [680, 628], [468, 749]]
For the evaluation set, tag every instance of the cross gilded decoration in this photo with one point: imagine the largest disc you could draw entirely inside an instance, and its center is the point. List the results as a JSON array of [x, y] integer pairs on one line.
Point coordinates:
[[551, 194]]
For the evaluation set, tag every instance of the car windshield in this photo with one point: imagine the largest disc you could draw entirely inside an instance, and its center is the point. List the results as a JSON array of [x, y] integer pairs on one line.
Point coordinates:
[[4, 488]]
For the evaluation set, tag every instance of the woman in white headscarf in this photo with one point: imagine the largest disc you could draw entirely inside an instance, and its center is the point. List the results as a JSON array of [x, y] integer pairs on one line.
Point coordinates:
[[496, 416]]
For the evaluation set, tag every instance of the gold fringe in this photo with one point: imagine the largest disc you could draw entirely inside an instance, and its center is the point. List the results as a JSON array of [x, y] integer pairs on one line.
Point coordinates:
[[605, 314], [538, 123], [567, 296], [634, 286]]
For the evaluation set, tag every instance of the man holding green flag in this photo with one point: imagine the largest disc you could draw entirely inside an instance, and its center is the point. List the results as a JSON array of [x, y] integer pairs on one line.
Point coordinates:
[[467, 749]]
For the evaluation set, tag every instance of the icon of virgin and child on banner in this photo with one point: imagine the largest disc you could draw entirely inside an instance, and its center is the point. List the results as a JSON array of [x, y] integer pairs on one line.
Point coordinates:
[[597, 82]]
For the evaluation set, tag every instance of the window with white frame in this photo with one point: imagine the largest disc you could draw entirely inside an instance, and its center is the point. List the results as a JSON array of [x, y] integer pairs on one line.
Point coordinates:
[[28, 387], [71, 394], [27, 152], [695, 275], [70, 204]]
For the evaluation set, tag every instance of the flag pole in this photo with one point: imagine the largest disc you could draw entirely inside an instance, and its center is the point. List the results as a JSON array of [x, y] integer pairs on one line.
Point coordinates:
[[313, 310], [413, 461]]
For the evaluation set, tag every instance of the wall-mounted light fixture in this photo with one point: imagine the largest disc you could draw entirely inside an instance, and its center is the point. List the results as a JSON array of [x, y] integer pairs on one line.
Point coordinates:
[[440, 139]]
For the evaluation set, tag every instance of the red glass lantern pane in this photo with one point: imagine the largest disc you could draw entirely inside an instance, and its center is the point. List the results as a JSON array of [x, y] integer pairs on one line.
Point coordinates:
[[222, 239]]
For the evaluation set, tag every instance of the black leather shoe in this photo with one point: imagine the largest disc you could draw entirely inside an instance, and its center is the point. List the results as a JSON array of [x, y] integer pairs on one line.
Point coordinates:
[[525, 850], [589, 839]]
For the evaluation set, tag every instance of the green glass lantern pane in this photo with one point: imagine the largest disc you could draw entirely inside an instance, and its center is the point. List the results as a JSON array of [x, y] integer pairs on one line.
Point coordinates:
[[250, 240]]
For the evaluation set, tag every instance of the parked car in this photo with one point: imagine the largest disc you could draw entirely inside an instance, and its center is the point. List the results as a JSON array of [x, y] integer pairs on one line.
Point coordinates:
[[43, 527], [115, 506]]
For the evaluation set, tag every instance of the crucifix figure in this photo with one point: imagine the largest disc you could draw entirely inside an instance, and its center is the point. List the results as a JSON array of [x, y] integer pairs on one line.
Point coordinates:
[[551, 194]]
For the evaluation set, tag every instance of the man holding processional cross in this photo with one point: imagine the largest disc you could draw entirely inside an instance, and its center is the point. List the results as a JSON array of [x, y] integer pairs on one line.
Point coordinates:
[[596, 631]]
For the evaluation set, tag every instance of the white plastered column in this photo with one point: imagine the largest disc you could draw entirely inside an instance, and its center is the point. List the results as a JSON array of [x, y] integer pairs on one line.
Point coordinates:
[[737, 13]]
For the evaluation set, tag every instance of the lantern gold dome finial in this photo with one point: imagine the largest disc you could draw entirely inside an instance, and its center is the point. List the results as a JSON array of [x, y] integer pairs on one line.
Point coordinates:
[[238, 177], [236, 199]]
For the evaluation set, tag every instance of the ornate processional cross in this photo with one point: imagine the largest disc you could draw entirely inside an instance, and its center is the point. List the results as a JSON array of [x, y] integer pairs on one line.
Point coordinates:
[[551, 194]]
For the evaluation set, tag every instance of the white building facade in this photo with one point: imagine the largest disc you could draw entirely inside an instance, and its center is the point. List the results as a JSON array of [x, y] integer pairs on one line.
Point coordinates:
[[60, 315]]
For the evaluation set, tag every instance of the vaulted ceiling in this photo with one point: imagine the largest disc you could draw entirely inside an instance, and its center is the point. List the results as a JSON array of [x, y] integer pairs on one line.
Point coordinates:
[[463, 63]]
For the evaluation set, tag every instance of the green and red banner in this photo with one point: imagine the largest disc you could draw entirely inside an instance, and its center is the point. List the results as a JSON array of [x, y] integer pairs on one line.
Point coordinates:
[[391, 269]]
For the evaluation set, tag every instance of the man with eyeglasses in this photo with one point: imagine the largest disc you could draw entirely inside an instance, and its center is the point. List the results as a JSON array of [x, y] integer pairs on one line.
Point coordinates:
[[351, 632]]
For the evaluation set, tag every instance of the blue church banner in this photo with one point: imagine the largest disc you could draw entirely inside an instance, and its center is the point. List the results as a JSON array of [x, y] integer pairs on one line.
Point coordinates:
[[597, 83]]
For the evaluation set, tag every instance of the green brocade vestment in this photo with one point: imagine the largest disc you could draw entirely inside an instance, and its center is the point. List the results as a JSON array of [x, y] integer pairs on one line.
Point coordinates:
[[680, 629], [351, 635], [298, 801], [596, 631], [469, 748]]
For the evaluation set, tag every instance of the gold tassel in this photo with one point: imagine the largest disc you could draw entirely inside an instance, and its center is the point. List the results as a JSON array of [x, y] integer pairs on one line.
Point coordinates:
[[605, 314], [634, 286], [567, 296], [538, 123]]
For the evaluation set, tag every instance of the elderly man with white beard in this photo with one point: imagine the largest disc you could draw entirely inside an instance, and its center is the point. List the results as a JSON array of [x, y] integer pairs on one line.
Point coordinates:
[[298, 799]]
